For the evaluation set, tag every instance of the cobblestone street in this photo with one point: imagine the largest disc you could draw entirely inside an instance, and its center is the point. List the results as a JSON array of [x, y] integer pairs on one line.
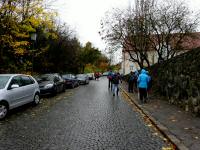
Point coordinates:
[[85, 118]]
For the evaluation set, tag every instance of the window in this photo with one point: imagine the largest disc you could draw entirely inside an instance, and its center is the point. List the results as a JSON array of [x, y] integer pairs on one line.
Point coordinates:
[[131, 68], [16, 80], [26, 80], [3, 81]]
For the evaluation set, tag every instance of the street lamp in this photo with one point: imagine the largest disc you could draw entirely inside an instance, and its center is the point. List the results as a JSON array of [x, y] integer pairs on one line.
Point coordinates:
[[33, 38]]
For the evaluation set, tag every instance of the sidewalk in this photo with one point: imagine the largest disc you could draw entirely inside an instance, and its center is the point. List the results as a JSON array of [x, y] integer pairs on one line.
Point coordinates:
[[181, 127]]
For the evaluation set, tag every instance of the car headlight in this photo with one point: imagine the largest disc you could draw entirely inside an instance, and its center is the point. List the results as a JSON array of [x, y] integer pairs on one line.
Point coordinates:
[[48, 86]]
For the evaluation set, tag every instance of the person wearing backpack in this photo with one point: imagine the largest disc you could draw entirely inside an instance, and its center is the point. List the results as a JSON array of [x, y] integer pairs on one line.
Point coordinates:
[[115, 83], [110, 74]]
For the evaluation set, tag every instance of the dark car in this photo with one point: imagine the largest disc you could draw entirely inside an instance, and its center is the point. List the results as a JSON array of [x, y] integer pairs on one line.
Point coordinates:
[[83, 78], [70, 81], [50, 83]]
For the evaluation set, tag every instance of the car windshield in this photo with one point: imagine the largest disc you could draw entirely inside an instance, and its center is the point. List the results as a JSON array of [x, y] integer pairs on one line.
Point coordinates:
[[80, 76], [67, 76], [3, 81], [44, 78]]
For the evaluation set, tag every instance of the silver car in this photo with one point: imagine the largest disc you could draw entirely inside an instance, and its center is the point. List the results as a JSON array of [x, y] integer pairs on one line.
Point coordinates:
[[17, 90], [83, 78]]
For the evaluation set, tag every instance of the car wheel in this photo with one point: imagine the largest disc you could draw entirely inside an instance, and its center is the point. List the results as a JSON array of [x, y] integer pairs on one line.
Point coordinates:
[[36, 100], [73, 85], [3, 110], [63, 88], [55, 91]]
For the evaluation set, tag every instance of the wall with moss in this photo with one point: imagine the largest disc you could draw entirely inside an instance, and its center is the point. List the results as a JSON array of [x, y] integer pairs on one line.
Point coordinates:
[[179, 80]]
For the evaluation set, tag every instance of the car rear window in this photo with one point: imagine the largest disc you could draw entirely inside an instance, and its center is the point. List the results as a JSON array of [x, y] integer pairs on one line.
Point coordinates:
[[3, 81], [45, 77]]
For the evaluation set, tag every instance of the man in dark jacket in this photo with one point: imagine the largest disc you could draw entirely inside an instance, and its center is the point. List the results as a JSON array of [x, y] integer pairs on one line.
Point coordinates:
[[110, 74], [131, 82], [116, 78]]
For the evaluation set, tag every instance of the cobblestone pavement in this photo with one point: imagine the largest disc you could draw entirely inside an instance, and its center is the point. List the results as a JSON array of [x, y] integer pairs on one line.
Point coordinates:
[[85, 118], [179, 123]]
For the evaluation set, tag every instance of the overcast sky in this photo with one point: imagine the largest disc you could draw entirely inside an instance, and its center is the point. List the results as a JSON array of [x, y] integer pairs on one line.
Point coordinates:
[[84, 16]]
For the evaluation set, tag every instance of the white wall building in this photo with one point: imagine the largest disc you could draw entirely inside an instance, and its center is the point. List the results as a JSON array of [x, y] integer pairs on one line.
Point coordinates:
[[127, 65]]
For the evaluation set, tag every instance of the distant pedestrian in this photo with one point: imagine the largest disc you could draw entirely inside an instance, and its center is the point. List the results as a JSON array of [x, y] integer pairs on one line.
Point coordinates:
[[149, 86], [116, 78], [136, 74], [143, 81], [96, 75], [110, 74], [131, 82]]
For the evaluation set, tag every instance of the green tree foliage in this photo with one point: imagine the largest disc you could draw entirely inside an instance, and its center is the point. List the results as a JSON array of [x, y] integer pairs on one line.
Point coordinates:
[[88, 54], [62, 53]]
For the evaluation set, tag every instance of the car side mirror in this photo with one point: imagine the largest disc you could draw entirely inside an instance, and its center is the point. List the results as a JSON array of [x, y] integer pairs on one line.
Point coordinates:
[[14, 86]]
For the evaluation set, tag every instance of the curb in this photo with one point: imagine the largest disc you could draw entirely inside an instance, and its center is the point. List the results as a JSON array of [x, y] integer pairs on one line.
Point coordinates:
[[160, 127]]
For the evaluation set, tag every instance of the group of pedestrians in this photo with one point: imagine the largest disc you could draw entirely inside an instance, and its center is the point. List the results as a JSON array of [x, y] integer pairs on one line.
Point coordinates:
[[141, 83], [137, 82], [114, 78]]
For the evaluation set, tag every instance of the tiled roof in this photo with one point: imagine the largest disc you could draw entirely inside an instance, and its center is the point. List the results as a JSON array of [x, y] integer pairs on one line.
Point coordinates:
[[190, 42]]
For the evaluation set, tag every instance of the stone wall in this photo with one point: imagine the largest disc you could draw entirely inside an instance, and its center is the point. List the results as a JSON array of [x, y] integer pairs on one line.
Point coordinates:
[[179, 80]]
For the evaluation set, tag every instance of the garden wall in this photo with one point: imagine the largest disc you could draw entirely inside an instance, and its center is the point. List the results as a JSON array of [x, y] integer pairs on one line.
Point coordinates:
[[179, 80]]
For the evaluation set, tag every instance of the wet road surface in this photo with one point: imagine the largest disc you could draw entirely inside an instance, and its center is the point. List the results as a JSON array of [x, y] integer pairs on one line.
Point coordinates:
[[85, 118]]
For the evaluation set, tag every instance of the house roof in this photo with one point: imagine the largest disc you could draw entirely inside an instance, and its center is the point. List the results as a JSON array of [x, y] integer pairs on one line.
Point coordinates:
[[189, 42]]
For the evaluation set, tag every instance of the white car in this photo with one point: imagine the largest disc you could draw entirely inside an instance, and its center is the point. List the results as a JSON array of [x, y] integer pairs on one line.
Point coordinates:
[[17, 90]]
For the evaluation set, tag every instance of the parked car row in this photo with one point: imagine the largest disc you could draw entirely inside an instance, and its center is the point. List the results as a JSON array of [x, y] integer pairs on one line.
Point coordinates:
[[18, 89]]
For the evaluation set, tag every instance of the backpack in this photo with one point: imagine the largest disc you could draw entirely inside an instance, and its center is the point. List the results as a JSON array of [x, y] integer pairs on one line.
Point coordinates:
[[132, 77], [115, 79]]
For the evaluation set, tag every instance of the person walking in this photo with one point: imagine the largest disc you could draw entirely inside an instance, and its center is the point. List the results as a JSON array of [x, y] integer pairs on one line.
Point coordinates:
[[136, 74], [110, 74], [149, 86], [143, 81], [115, 83], [131, 82]]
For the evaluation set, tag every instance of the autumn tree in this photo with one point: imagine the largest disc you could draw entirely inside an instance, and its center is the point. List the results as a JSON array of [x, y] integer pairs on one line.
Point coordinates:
[[129, 29], [18, 20], [150, 25], [171, 24], [88, 54]]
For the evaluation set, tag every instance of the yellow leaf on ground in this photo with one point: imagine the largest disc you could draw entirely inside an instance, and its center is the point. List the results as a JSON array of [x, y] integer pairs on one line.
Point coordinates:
[[173, 120], [167, 148]]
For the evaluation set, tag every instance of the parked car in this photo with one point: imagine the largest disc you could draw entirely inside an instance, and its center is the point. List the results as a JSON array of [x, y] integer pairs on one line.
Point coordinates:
[[83, 78], [17, 90], [105, 74], [50, 83], [91, 76], [70, 81]]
